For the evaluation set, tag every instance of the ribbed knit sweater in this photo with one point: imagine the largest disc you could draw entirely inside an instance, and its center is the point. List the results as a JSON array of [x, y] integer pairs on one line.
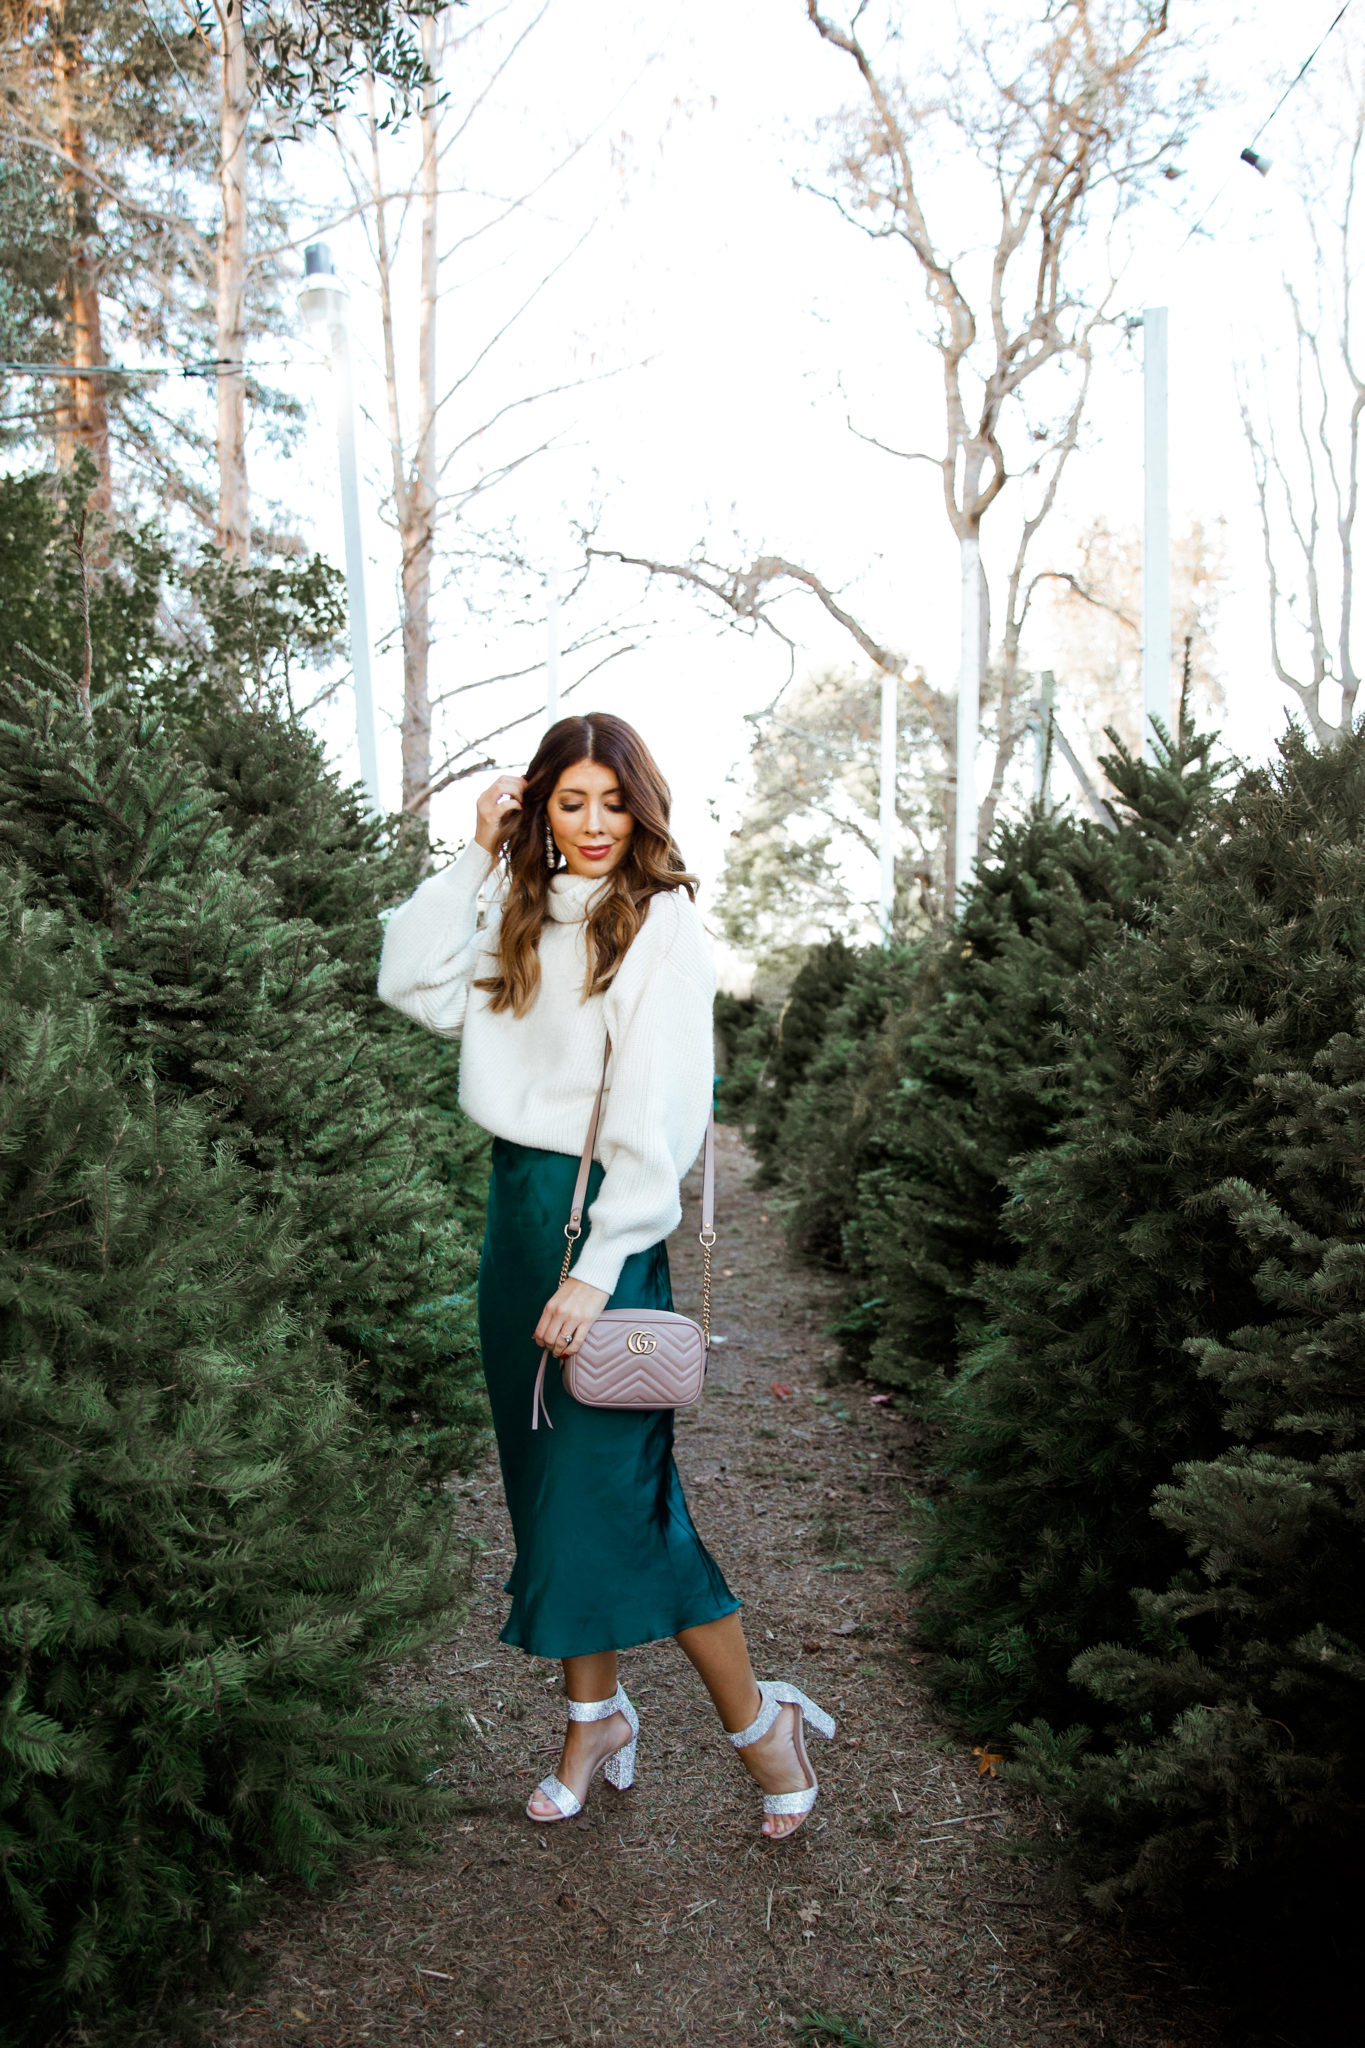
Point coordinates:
[[533, 1078]]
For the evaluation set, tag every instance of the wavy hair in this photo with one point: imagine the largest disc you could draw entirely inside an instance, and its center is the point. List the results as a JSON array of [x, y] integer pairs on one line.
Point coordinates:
[[650, 864]]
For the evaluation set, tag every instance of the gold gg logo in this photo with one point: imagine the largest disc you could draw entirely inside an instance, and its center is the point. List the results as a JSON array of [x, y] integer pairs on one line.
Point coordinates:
[[641, 1343]]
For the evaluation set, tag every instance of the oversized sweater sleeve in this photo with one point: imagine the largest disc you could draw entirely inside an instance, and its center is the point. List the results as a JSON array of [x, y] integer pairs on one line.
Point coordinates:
[[658, 1013], [431, 943]]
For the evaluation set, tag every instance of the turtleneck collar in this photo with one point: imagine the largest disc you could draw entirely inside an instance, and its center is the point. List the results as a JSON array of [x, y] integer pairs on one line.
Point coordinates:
[[571, 896]]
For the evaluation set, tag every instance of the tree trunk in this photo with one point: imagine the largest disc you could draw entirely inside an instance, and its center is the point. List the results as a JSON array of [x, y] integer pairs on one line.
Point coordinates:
[[418, 514], [83, 404], [234, 517]]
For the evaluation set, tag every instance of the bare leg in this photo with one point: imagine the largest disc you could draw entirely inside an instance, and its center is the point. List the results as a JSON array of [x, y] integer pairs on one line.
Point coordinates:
[[720, 1656], [585, 1742]]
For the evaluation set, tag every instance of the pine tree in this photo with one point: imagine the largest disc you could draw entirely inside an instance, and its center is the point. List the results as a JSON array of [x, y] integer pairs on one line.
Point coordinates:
[[1225, 1786], [202, 1560], [940, 1065], [1192, 1166], [271, 878], [245, 1009], [821, 980], [744, 1043]]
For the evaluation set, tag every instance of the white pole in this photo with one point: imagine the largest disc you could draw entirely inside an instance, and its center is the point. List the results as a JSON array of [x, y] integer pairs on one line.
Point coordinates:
[[366, 742], [552, 647], [323, 303], [887, 808], [1156, 534], [968, 717]]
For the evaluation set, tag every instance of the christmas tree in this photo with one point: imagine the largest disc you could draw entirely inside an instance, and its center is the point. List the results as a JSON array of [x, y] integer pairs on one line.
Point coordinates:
[[820, 982], [940, 1064], [1164, 1402], [202, 1560], [237, 1253], [233, 814]]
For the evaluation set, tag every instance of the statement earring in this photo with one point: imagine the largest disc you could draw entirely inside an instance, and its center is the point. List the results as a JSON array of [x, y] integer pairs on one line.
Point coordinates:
[[551, 850]]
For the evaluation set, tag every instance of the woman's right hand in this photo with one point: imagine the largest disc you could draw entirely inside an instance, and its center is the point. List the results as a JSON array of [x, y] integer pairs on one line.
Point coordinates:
[[497, 807]]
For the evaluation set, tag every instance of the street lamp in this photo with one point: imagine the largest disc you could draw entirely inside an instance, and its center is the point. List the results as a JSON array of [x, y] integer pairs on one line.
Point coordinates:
[[324, 302]]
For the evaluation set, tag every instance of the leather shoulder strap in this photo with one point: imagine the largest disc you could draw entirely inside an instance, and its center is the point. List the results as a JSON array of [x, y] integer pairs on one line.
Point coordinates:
[[708, 1171]]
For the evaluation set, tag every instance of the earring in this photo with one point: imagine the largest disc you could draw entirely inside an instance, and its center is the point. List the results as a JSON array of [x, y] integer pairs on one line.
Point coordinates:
[[551, 850]]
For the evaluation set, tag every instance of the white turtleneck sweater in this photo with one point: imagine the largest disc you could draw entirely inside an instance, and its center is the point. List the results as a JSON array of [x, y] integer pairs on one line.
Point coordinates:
[[533, 1079]]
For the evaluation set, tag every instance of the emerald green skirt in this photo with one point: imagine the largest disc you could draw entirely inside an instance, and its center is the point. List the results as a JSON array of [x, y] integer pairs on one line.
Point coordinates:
[[607, 1555]]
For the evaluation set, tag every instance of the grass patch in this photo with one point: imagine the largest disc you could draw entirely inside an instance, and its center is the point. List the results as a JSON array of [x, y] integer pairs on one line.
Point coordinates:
[[827, 2026]]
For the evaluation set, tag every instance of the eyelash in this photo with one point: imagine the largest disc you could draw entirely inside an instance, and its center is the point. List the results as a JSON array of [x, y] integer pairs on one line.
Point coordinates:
[[569, 809]]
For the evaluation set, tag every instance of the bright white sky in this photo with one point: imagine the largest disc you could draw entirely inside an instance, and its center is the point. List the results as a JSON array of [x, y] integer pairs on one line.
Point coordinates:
[[746, 322]]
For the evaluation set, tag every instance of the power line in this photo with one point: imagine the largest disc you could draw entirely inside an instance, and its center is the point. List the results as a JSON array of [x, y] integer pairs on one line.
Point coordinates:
[[1297, 76], [205, 369], [1267, 121]]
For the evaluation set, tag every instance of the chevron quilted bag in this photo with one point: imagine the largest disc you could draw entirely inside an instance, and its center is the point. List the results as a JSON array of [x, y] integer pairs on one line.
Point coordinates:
[[637, 1357]]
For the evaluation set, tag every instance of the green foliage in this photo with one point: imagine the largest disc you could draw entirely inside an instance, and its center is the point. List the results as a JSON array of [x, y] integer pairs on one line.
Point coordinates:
[[942, 1062], [1156, 1452], [745, 1030], [308, 57], [246, 1008], [41, 587], [821, 981], [198, 638], [202, 1560], [34, 234], [237, 1252]]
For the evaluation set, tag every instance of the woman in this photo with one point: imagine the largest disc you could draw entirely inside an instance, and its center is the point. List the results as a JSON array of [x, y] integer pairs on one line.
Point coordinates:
[[593, 933]]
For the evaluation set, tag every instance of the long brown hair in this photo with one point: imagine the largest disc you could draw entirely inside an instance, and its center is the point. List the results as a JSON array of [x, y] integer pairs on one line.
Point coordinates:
[[651, 861]]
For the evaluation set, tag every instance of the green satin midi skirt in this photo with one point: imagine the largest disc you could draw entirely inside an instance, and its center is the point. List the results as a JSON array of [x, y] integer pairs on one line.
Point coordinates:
[[607, 1555]]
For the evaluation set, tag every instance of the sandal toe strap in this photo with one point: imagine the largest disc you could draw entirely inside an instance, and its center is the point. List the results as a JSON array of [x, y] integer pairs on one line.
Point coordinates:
[[790, 1802], [559, 1795]]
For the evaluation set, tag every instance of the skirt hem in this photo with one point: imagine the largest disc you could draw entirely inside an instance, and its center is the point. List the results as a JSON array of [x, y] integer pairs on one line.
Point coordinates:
[[636, 1642]]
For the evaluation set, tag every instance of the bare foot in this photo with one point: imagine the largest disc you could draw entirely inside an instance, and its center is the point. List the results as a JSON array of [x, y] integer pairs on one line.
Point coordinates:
[[586, 1744], [775, 1762]]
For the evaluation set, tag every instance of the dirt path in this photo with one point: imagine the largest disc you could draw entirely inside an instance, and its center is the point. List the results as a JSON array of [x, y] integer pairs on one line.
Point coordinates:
[[662, 1917]]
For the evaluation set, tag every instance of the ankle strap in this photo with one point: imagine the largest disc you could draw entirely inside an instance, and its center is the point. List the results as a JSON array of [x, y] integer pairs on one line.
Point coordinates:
[[775, 1694], [595, 1710]]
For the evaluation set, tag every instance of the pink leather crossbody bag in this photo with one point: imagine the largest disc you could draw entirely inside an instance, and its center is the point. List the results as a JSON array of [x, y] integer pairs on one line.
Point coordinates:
[[636, 1357]]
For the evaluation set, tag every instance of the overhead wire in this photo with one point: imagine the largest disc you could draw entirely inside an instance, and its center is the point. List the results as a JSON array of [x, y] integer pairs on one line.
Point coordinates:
[[1298, 75]]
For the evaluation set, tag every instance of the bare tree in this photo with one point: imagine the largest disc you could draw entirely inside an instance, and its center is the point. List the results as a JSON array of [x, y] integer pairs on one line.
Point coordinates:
[[294, 64], [1306, 456], [234, 112], [1061, 116], [433, 483], [803, 859], [83, 411], [1094, 631]]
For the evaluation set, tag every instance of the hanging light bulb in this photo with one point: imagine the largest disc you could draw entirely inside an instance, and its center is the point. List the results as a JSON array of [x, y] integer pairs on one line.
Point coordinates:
[[1257, 161]]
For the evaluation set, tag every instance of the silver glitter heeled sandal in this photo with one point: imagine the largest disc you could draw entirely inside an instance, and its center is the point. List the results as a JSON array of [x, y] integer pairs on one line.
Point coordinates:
[[775, 1696], [618, 1767]]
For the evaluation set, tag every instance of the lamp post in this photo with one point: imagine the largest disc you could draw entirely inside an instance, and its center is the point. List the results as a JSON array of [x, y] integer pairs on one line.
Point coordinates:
[[1156, 533], [968, 714], [324, 302]]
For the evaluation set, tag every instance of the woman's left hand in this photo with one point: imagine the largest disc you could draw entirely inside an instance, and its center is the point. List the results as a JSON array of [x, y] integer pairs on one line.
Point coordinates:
[[568, 1316]]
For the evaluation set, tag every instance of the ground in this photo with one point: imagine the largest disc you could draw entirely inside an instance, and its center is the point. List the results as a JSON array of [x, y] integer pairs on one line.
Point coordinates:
[[661, 1915]]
